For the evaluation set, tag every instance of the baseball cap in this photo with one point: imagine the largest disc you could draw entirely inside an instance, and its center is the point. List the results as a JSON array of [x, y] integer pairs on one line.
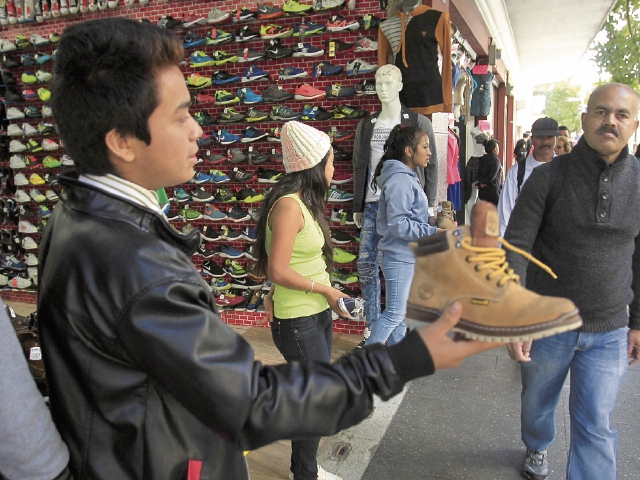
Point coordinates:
[[545, 127]]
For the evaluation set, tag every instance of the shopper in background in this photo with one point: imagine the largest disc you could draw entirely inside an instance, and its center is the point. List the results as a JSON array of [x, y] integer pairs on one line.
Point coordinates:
[[293, 249], [403, 217], [146, 380], [30, 445], [489, 177], [563, 145]]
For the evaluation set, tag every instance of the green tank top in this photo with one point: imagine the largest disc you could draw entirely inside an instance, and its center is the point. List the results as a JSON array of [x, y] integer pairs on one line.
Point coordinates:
[[306, 259]]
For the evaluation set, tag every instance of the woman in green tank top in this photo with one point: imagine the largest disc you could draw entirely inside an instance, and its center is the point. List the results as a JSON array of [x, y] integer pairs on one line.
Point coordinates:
[[293, 250]]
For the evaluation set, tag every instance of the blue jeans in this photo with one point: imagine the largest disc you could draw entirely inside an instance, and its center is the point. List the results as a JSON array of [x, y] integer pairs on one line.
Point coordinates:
[[390, 326], [368, 263], [598, 364], [304, 339]]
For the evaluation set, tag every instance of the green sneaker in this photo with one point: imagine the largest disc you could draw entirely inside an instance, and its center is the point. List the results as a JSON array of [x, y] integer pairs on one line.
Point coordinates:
[[342, 256], [233, 268], [189, 213], [50, 162], [196, 81], [293, 6], [220, 284], [28, 78], [342, 276]]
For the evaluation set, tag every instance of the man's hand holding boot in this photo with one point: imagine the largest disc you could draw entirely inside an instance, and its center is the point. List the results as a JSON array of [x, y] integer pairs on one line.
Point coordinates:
[[445, 352]]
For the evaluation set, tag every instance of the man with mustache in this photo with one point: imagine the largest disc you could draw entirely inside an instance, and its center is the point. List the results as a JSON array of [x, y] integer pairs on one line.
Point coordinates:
[[578, 215], [543, 137]]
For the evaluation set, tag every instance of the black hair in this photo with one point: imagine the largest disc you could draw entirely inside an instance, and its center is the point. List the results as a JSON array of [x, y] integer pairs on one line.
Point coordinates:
[[312, 185], [400, 138], [637, 154], [563, 127], [490, 145], [104, 79]]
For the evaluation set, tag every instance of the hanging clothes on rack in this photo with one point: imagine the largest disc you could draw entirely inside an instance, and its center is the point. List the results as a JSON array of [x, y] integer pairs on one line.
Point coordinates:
[[412, 42], [453, 171]]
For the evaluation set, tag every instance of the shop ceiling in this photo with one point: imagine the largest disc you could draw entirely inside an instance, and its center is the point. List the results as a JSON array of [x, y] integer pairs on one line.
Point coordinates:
[[552, 36], [542, 41]]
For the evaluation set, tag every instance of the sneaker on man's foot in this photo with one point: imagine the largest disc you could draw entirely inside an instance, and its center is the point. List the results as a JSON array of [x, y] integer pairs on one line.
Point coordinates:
[[534, 466], [496, 307]]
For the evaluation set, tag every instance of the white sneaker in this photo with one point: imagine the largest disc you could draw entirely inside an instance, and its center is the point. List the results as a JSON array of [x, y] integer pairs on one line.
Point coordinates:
[[359, 67], [66, 161], [22, 196], [7, 46], [38, 40], [112, 3], [32, 272], [31, 260], [322, 475], [363, 44], [19, 282], [20, 180], [25, 226], [4, 280], [51, 196], [74, 6], [216, 15], [64, 7], [49, 145], [28, 129], [14, 113], [17, 162], [46, 110], [16, 147], [35, 194], [14, 130], [29, 244], [43, 76]]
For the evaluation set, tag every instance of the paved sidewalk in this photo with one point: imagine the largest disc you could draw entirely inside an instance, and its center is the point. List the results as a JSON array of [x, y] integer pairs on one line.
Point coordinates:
[[465, 424]]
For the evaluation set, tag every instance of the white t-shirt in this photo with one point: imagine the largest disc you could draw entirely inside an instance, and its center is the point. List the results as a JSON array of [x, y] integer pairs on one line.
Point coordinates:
[[381, 132], [509, 192]]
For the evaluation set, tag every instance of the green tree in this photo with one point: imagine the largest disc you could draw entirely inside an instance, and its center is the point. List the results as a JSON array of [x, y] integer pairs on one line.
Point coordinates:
[[560, 108], [616, 49]]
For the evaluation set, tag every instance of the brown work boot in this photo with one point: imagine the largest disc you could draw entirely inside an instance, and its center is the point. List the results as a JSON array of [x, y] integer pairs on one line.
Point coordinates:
[[446, 216], [469, 266]]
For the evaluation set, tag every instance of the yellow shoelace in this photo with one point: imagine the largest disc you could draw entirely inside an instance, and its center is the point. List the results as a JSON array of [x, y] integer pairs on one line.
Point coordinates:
[[495, 260]]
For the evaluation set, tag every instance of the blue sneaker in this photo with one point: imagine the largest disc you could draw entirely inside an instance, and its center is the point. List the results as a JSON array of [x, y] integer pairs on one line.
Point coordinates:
[[218, 284], [227, 251], [225, 138], [336, 195], [249, 233], [323, 69], [220, 78], [287, 73], [253, 73], [248, 97], [306, 50], [42, 58], [200, 177], [218, 177], [307, 28], [12, 263], [180, 195], [200, 59], [315, 113], [192, 41]]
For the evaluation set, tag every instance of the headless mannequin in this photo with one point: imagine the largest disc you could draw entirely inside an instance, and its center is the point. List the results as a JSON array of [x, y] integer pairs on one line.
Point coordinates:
[[458, 97], [388, 90]]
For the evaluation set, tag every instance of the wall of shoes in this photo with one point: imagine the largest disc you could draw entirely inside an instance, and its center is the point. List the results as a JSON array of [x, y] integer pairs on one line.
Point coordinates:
[[250, 67]]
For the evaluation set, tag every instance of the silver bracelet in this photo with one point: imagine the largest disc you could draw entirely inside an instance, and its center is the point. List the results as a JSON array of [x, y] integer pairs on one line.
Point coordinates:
[[313, 282]]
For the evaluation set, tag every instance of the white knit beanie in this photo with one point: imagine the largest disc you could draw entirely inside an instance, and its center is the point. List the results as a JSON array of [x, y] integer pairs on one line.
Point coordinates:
[[303, 146]]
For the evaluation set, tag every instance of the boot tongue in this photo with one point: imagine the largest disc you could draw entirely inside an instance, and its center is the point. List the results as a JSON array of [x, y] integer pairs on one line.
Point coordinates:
[[484, 225]]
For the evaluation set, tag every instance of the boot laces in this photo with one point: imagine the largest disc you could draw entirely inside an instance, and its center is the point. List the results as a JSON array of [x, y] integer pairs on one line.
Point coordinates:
[[494, 260]]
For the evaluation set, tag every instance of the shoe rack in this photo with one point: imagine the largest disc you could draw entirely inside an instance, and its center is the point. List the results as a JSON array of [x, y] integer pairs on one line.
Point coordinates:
[[177, 9]]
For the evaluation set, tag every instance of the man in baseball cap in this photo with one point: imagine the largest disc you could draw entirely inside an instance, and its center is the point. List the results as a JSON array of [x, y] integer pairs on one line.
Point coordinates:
[[543, 138]]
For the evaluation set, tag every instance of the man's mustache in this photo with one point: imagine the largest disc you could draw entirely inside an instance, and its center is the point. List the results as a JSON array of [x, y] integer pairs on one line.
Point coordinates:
[[607, 129]]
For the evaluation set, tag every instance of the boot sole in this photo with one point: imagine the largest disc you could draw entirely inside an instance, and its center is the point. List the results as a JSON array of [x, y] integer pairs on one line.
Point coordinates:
[[417, 316]]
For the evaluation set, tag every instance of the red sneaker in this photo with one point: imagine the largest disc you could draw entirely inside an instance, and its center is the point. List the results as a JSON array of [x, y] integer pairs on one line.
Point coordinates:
[[304, 91], [341, 177], [202, 99], [227, 300]]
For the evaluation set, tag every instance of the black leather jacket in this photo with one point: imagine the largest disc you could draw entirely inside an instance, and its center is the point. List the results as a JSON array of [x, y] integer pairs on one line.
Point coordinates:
[[147, 381]]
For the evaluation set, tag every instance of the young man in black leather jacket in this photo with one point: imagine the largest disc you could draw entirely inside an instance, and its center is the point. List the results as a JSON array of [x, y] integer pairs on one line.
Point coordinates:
[[146, 380]]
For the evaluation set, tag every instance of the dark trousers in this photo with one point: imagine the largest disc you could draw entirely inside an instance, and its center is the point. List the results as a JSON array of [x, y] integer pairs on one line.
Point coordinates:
[[304, 339]]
